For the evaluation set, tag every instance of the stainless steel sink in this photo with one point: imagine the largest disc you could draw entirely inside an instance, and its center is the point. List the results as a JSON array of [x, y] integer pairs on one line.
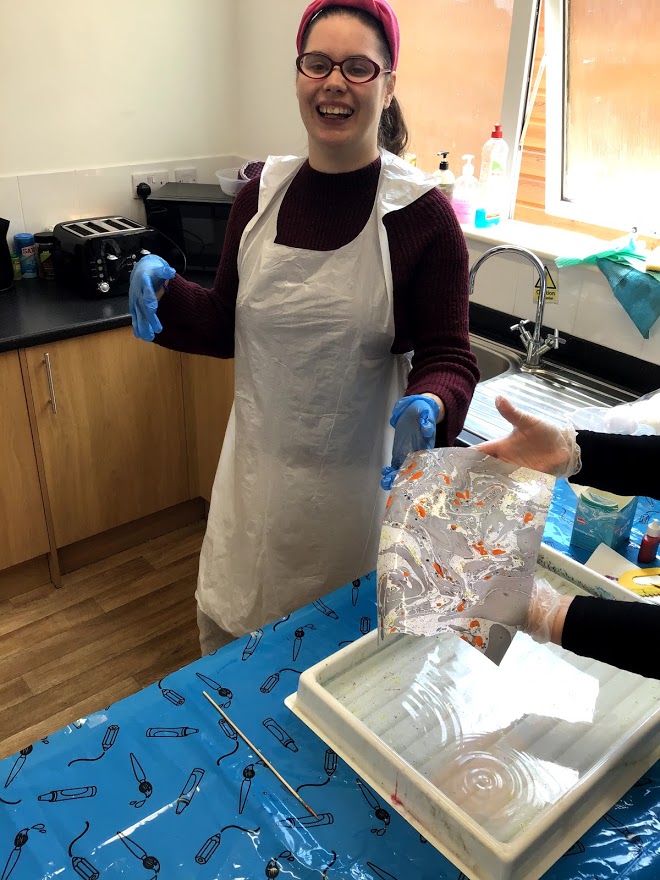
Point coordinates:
[[551, 393]]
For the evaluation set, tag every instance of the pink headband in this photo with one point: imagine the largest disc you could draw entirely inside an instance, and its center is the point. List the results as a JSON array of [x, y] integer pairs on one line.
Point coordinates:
[[379, 9]]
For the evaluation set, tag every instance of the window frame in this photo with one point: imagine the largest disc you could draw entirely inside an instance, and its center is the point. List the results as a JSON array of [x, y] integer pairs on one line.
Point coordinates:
[[518, 86], [556, 205]]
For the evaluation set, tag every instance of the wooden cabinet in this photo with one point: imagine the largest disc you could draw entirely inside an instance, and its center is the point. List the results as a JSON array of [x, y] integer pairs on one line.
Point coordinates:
[[23, 533], [111, 426], [209, 394]]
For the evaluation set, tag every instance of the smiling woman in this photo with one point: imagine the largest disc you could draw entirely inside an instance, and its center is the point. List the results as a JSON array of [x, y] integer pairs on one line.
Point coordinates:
[[336, 267]]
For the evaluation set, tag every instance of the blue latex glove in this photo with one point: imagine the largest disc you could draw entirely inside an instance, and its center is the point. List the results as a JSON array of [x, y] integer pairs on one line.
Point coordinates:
[[147, 277], [414, 420]]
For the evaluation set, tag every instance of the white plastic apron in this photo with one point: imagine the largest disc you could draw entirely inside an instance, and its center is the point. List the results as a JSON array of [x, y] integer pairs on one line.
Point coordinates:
[[297, 507]]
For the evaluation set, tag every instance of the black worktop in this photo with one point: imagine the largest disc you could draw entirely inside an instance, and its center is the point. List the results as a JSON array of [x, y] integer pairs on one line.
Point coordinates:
[[36, 312]]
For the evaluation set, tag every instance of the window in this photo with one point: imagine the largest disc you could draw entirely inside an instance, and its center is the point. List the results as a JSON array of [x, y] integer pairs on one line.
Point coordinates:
[[584, 155], [603, 113]]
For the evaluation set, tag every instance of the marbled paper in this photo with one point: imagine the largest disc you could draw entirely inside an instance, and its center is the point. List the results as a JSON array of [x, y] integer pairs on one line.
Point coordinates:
[[460, 540]]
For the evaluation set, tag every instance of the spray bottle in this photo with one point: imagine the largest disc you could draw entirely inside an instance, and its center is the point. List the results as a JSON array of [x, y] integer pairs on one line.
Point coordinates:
[[466, 192], [444, 176]]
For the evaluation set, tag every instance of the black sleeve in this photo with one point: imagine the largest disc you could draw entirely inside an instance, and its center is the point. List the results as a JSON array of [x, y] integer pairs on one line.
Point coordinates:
[[623, 634], [619, 463]]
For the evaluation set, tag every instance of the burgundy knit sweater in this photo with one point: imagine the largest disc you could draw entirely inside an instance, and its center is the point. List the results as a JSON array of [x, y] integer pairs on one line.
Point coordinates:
[[324, 212]]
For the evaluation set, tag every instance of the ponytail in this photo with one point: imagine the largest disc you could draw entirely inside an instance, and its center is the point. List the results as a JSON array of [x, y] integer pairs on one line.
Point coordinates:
[[393, 131]]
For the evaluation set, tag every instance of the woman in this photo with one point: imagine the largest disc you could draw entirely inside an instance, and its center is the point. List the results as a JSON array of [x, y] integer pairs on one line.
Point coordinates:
[[615, 632], [333, 268]]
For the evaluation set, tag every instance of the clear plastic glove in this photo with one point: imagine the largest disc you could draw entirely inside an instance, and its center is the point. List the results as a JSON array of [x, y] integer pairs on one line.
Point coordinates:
[[414, 420], [535, 615], [147, 277], [535, 444]]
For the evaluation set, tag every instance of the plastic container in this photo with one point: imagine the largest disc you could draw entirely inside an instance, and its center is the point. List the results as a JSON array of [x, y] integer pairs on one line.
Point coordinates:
[[44, 243], [27, 254], [230, 182], [500, 768], [492, 179], [445, 176], [648, 549], [466, 192]]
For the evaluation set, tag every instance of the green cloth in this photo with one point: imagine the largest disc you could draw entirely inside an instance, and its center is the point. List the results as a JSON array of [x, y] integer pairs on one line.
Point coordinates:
[[638, 292], [622, 263]]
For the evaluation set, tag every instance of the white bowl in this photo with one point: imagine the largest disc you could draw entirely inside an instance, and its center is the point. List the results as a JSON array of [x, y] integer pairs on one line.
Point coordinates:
[[229, 181]]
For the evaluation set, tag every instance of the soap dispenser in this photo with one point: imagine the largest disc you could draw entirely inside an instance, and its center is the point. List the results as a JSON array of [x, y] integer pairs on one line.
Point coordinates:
[[444, 176], [466, 192]]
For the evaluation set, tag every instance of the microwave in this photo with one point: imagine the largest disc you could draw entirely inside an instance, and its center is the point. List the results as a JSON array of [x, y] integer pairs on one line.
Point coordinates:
[[191, 219]]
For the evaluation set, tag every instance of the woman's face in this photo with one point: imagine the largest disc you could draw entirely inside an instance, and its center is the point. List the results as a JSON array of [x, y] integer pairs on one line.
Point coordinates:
[[348, 140]]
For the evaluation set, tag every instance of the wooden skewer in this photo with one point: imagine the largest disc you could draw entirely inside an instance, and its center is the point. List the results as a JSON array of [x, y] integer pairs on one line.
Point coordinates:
[[261, 757]]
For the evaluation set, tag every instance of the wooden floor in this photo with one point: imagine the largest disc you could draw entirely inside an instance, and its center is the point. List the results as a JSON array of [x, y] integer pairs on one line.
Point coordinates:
[[113, 628]]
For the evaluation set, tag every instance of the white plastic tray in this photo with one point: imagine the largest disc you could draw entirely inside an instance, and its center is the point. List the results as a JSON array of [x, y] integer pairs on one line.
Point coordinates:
[[501, 769]]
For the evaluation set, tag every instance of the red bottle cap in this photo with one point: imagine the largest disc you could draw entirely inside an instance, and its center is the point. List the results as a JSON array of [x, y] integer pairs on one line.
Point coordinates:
[[497, 131]]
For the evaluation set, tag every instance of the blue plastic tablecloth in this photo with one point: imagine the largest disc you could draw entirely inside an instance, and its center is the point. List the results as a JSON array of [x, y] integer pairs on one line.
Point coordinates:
[[158, 786]]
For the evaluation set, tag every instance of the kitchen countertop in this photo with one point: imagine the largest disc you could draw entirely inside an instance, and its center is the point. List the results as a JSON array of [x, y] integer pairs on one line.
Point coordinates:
[[36, 312]]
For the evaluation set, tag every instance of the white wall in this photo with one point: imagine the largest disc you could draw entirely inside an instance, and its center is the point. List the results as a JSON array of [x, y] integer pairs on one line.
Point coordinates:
[[269, 121], [86, 83]]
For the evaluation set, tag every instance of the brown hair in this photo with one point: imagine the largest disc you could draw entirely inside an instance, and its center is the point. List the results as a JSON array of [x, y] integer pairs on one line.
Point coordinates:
[[392, 130]]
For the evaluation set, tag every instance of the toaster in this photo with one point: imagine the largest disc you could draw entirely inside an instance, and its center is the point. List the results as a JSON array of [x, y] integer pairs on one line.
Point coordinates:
[[96, 255]]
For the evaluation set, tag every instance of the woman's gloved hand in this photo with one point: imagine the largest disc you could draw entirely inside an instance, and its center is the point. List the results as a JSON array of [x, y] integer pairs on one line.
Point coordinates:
[[414, 420], [534, 443], [540, 615], [147, 277]]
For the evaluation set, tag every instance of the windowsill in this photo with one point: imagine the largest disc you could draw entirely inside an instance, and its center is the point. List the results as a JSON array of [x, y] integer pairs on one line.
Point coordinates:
[[546, 241]]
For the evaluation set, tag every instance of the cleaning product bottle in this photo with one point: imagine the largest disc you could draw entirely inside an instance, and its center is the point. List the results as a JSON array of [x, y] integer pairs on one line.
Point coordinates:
[[492, 179], [444, 176], [466, 192], [649, 545]]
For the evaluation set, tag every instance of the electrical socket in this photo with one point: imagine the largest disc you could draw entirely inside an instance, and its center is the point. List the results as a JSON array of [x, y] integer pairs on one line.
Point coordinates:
[[155, 179], [185, 175]]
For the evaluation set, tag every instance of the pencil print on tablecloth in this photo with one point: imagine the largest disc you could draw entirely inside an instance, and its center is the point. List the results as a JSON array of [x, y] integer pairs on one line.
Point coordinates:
[[170, 732], [170, 695], [231, 734], [280, 734], [189, 789], [460, 540], [321, 606], [108, 741], [274, 679], [207, 850], [329, 768], [80, 864], [252, 644]]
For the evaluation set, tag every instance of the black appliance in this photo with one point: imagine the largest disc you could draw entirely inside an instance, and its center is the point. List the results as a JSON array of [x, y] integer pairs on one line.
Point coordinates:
[[192, 218], [96, 255], [6, 268]]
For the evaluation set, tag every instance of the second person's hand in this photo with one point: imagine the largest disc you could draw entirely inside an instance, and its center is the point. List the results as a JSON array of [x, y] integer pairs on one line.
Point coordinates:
[[147, 277], [535, 443], [414, 420]]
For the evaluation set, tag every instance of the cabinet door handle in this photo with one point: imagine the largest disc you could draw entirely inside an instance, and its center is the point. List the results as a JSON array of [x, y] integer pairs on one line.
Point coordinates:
[[51, 386]]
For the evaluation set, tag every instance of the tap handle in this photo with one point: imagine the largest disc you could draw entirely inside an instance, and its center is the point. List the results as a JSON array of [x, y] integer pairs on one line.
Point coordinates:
[[519, 325], [554, 339]]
